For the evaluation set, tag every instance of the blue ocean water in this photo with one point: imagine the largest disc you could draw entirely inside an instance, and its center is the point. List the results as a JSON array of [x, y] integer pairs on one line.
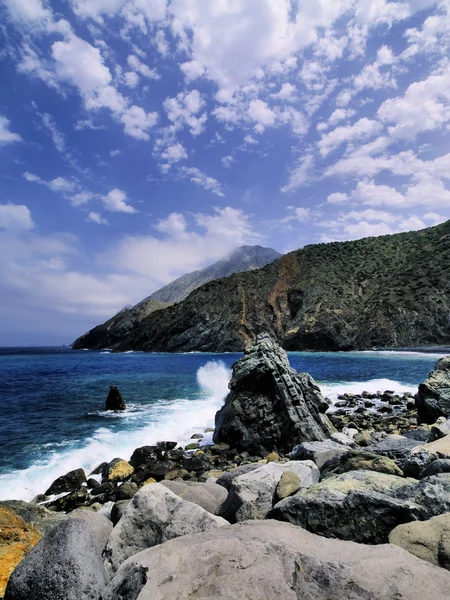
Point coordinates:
[[52, 400]]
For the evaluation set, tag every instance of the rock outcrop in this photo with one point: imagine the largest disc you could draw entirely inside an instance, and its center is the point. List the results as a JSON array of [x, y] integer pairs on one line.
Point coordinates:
[[433, 397], [387, 291], [270, 406], [114, 401], [273, 561]]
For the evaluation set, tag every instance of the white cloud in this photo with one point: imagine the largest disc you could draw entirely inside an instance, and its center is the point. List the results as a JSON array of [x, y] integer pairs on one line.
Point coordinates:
[[81, 198], [203, 180], [301, 174], [228, 161], [15, 217], [250, 140], [7, 136], [115, 152], [137, 122], [340, 114], [362, 129], [337, 198], [28, 11], [288, 92], [141, 68], [95, 217], [174, 153], [57, 137], [183, 110], [60, 184], [260, 112], [131, 79], [115, 201]]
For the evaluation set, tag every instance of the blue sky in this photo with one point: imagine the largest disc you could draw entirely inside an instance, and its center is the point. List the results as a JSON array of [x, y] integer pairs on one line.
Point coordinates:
[[143, 139]]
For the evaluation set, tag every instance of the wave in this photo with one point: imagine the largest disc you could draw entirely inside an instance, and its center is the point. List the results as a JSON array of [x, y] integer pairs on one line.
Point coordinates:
[[173, 420], [411, 354]]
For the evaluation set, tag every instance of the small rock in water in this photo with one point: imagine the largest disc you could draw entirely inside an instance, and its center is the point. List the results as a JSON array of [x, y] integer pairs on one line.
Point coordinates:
[[114, 401]]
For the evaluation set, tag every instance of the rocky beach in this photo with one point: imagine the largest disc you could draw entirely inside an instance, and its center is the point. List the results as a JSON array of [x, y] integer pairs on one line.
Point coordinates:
[[292, 498]]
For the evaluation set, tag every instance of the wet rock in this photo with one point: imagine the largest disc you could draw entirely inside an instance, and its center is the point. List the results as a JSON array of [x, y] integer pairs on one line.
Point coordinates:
[[166, 446], [17, 538], [252, 494], [114, 401], [318, 452], [270, 405], [65, 565], [428, 540], [269, 560], [433, 396], [117, 470], [92, 483], [144, 455], [417, 462], [154, 516], [357, 460], [192, 446], [69, 501], [441, 465], [67, 483], [126, 491]]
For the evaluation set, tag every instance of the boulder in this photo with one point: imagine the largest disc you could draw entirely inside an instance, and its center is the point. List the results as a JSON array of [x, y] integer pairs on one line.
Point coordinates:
[[69, 501], [358, 506], [126, 491], [226, 479], [154, 515], [252, 494], [144, 455], [394, 446], [17, 538], [441, 465], [209, 496], [101, 526], [114, 401], [357, 460], [288, 484], [269, 560], [67, 483], [439, 430], [431, 493], [318, 452], [65, 565], [37, 516], [433, 396], [270, 406], [439, 448], [428, 540], [117, 470]]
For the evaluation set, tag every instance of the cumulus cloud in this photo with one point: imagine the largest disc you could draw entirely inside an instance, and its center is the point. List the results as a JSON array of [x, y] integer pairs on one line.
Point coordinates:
[[203, 180], [95, 217], [361, 130], [115, 201], [15, 217], [7, 136], [184, 109]]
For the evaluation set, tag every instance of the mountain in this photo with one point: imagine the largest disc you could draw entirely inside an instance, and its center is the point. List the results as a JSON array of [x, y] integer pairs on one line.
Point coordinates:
[[116, 329], [245, 258], [391, 291]]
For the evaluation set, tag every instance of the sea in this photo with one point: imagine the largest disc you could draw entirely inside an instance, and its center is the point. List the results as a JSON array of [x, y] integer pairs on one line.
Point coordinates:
[[52, 416]]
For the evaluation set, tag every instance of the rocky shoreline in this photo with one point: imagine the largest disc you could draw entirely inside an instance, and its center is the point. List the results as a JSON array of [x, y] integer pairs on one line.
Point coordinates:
[[252, 515]]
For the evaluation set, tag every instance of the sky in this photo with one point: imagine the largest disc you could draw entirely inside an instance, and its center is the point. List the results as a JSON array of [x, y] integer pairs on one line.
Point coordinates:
[[143, 139]]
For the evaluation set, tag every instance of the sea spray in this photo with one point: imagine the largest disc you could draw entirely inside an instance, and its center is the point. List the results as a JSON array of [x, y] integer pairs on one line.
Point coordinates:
[[174, 420]]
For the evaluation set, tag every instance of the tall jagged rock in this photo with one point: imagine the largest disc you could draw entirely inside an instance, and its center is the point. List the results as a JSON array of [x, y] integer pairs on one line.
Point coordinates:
[[114, 401], [433, 397], [270, 405]]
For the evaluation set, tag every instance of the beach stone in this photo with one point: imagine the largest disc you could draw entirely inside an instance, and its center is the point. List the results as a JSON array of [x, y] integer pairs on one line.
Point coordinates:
[[226, 479], [144, 455], [433, 397], [69, 501], [266, 560], [396, 447], [210, 497], [126, 491], [149, 481], [252, 494], [270, 405], [117, 510], [17, 538], [92, 483], [100, 525], [441, 465], [177, 474], [318, 452], [357, 460], [65, 565], [439, 429], [70, 482], [99, 469], [360, 506], [114, 401], [117, 470], [431, 493], [192, 446], [288, 484], [154, 515], [273, 457], [417, 462], [166, 446], [37, 516], [362, 438], [428, 540]]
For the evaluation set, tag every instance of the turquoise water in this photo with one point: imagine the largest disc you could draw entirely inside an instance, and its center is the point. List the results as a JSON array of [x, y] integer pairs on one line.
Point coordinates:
[[52, 400]]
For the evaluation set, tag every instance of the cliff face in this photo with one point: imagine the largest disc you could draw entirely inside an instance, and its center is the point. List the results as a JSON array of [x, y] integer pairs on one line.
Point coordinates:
[[386, 291], [119, 327]]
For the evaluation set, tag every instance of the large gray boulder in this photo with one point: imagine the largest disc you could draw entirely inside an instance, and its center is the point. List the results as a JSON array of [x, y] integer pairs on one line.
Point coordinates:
[[428, 540], [319, 452], [396, 447], [65, 565], [252, 494], [100, 525], [270, 406], [154, 515], [433, 396], [209, 496], [266, 560]]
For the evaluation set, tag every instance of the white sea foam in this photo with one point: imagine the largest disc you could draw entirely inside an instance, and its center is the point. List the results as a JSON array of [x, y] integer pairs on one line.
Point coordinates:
[[173, 420], [333, 390], [409, 354]]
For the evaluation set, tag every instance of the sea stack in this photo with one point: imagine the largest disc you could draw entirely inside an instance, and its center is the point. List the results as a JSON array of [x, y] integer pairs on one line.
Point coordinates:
[[114, 401], [433, 397], [270, 405]]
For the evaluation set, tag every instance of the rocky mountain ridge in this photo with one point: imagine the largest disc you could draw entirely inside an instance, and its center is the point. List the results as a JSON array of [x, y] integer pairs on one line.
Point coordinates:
[[119, 327], [388, 291]]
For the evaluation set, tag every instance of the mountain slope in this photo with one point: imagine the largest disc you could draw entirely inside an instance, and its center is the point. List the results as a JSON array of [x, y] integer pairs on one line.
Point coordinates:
[[116, 329], [245, 258], [386, 291]]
